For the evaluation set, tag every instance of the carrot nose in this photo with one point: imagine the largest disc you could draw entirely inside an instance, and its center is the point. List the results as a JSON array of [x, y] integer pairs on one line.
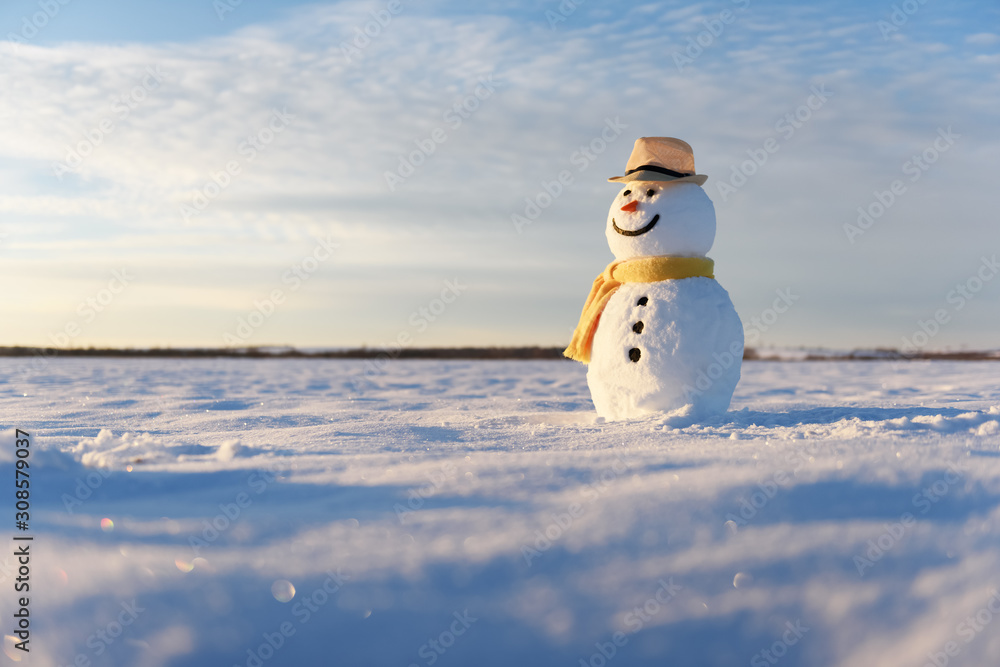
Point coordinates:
[[631, 206]]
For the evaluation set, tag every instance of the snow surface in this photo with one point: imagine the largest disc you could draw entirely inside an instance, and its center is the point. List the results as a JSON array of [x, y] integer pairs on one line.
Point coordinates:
[[426, 489]]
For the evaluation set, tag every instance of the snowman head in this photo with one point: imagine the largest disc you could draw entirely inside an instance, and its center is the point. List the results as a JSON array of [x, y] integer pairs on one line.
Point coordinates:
[[661, 218]]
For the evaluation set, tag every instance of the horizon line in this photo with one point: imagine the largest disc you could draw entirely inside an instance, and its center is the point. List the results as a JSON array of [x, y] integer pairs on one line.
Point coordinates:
[[526, 352]]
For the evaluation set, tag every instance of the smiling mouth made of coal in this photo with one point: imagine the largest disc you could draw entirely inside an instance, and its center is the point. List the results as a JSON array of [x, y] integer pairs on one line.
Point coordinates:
[[641, 230]]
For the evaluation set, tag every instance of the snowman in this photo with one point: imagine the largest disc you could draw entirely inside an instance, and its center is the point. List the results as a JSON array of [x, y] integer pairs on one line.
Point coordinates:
[[659, 333]]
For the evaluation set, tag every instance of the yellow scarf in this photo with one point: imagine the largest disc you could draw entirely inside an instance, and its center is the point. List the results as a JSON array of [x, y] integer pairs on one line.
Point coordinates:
[[641, 270]]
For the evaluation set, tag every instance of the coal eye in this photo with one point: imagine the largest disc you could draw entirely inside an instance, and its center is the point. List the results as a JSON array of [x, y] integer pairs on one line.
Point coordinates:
[[626, 193], [650, 193]]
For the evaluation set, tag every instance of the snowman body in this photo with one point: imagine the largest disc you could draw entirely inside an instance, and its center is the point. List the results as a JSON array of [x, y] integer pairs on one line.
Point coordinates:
[[665, 345], [673, 345]]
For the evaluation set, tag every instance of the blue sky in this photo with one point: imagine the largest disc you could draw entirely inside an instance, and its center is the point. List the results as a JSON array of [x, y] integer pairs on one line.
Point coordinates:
[[306, 243]]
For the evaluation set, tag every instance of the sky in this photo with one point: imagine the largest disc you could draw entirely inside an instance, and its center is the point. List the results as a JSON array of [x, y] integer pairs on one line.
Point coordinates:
[[200, 173]]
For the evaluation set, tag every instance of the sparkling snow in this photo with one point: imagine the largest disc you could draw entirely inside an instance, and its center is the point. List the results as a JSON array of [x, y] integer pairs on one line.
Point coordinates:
[[479, 513]]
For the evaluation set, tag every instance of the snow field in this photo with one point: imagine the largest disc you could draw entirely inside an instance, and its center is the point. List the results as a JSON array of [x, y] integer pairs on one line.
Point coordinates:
[[237, 512]]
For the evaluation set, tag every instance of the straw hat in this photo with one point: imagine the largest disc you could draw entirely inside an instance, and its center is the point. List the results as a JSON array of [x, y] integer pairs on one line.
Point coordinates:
[[661, 159]]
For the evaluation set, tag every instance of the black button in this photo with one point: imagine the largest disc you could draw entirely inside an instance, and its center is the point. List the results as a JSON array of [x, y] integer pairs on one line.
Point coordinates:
[[637, 327], [642, 301], [634, 354]]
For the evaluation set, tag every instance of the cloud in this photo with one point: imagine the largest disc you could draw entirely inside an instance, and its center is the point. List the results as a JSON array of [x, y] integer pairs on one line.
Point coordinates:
[[983, 38], [163, 125]]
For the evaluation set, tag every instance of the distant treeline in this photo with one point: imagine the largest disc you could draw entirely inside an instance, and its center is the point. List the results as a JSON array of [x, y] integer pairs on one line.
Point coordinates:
[[750, 353], [879, 354], [292, 353]]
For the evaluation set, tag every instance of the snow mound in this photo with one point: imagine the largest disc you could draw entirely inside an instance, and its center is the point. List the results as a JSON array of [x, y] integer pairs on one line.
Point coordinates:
[[110, 451], [228, 450]]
